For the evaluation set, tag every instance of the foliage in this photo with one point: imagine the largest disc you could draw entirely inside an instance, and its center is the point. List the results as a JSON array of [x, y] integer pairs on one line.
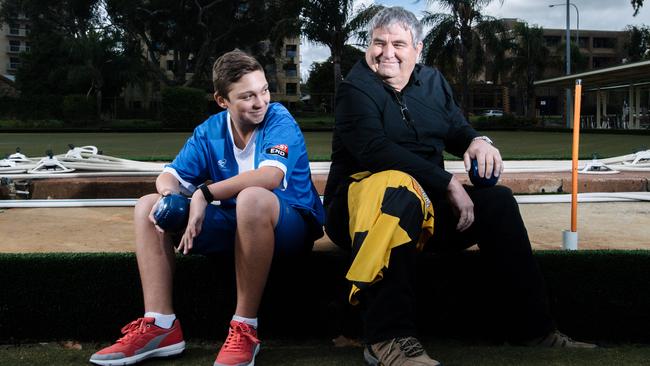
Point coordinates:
[[78, 108], [72, 50], [198, 31], [183, 107], [579, 60], [31, 107], [636, 4], [332, 23], [321, 74], [637, 44], [456, 42], [530, 56]]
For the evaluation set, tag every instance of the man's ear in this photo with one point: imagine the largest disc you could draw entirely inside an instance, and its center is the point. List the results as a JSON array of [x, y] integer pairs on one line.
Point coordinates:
[[221, 101]]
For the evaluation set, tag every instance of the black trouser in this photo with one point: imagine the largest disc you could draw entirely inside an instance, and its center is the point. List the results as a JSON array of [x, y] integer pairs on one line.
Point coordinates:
[[388, 306]]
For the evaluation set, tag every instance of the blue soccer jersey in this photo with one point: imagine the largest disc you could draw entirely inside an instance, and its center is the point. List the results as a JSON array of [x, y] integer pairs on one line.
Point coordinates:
[[209, 155]]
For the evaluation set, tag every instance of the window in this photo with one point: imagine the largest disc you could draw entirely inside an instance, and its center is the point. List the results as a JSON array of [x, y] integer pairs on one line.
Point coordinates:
[[14, 63], [603, 42], [552, 41], [291, 50], [14, 29], [290, 70], [170, 65], [14, 46], [292, 88]]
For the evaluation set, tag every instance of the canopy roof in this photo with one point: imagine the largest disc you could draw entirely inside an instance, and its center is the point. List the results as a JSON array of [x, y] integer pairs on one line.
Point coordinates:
[[620, 76]]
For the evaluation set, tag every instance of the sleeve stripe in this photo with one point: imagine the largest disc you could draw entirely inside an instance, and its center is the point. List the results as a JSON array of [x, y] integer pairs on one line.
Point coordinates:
[[187, 187]]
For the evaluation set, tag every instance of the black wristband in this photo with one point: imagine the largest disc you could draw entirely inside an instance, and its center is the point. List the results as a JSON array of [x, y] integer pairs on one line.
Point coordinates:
[[206, 192]]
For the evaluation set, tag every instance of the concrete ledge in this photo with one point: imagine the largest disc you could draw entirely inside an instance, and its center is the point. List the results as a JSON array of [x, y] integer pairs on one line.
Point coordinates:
[[520, 183], [596, 295]]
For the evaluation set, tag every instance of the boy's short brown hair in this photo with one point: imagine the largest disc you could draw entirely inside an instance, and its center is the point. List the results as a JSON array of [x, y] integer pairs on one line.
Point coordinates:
[[230, 67]]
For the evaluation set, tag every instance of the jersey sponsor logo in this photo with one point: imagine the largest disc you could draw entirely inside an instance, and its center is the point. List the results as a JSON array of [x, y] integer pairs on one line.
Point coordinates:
[[281, 150], [222, 163]]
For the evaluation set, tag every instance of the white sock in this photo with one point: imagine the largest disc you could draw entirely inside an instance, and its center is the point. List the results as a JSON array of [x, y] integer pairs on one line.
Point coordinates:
[[250, 321], [162, 320]]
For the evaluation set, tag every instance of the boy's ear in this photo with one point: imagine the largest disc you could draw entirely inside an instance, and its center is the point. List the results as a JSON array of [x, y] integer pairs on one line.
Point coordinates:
[[221, 101]]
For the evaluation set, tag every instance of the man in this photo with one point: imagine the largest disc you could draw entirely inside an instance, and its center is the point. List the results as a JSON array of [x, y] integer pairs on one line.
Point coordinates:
[[394, 118], [252, 158]]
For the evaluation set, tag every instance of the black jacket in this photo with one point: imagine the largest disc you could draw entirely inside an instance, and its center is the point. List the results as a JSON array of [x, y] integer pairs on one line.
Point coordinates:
[[374, 133]]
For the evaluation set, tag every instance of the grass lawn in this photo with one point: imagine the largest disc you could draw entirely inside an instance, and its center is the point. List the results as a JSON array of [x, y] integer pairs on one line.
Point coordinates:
[[164, 146], [451, 353]]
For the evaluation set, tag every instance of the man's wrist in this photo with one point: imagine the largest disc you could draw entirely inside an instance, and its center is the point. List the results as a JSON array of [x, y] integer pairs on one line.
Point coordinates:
[[484, 138], [206, 192]]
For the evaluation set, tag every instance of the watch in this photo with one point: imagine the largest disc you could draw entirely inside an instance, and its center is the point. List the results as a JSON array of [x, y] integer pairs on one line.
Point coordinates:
[[484, 138], [206, 192]]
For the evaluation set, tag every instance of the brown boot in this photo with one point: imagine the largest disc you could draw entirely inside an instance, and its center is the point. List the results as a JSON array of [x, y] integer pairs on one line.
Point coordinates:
[[404, 351], [557, 339]]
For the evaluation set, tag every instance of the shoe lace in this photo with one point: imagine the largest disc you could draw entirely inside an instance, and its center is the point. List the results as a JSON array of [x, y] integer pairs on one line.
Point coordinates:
[[133, 329], [410, 346], [239, 337]]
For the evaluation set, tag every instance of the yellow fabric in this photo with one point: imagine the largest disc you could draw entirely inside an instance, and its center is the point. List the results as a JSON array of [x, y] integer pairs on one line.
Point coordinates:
[[365, 197]]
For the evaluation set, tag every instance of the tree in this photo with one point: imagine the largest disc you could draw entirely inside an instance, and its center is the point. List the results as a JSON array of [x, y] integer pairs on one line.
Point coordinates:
[[530, 56], [637, 44], [198, 31], [636, 4], [321, 79], [331, 23], [72, 51], [456, 42]]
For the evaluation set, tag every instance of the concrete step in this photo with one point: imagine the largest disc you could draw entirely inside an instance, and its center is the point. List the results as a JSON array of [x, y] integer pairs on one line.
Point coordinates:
[[520, 183]]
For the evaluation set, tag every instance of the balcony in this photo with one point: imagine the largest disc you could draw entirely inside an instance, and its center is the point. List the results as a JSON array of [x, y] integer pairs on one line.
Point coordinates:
[[17, 32], [17, 49]]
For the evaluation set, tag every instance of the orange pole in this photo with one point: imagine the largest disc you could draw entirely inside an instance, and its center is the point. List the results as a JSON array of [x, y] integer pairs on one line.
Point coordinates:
[[574, 156]]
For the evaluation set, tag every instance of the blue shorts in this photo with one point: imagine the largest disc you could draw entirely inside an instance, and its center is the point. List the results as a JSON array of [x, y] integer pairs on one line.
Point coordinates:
[[220, 225]]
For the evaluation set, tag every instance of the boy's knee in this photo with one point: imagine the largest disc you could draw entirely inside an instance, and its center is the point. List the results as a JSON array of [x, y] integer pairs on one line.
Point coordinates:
[[144, 205], [256, 203]]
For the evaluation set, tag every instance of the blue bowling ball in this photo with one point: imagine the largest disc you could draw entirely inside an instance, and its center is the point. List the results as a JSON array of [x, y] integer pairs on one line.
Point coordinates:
[[478, 181], [172, 213]]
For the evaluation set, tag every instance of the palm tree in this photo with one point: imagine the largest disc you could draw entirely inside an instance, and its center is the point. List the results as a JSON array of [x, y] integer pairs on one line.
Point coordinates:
[[331, 23], [458, 42], [530, 57]]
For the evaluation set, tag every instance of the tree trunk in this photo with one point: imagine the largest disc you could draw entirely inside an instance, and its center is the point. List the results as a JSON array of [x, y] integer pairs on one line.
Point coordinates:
[[336, 57]]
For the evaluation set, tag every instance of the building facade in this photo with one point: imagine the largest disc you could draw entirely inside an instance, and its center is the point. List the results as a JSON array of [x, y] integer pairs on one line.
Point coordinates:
[[13, 41]]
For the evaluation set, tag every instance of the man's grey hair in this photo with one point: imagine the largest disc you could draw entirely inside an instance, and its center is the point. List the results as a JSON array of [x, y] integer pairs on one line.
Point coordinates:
[[397, 15]]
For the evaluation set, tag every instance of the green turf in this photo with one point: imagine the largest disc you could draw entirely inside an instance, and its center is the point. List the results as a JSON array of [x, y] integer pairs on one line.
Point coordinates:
[[323, 353], [164, 146]]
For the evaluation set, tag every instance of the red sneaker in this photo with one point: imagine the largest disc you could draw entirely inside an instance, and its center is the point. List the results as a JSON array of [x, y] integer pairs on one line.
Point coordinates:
[[142, 339], [241, 346]]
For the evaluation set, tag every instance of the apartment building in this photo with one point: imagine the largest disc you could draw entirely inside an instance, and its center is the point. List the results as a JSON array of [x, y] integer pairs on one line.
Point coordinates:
[[13, 41]]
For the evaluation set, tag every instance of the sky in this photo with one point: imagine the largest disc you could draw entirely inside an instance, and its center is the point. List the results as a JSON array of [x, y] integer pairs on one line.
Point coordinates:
[[593, 15]]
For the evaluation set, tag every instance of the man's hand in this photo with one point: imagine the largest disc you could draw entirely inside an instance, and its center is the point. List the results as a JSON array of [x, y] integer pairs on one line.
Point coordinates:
[[487, 156], [461, 203], [194, 223]]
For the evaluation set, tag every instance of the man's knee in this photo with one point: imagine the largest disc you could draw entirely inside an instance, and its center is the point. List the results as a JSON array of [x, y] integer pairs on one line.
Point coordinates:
[[256, 203]]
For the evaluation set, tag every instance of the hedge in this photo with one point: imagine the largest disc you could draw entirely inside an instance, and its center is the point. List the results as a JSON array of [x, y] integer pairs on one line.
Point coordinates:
[[594, 295], [183, 107]]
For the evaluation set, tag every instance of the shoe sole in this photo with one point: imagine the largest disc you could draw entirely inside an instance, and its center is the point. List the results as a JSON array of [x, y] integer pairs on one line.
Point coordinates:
[[167, 351], [252, 363], [370, 359], [373, 361]]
